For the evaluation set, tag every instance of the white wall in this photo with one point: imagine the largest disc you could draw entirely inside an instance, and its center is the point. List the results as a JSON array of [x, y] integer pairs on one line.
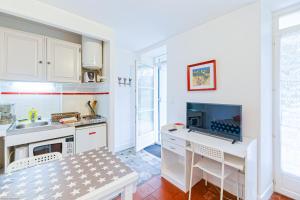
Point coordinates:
[[124, 101], [233, 40], [241, 43]]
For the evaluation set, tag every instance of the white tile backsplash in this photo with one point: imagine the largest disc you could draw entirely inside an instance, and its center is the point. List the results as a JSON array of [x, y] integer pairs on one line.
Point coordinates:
[[47, 104]]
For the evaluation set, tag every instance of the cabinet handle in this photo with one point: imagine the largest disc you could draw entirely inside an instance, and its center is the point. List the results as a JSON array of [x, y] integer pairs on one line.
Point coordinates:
[[48, 62], [172, 139], [172, 148], [92, 133], [41, 62]]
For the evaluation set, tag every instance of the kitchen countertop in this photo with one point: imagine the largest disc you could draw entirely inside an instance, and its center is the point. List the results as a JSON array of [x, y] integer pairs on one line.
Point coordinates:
[[6, 131], [3, 129]]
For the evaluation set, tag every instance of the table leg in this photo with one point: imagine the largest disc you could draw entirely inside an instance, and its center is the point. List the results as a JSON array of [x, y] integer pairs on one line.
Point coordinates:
[[128, 193]]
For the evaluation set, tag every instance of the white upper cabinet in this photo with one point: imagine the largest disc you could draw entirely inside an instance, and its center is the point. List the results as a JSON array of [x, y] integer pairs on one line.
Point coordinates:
[[22, 56], [31, 57], [63, 61]]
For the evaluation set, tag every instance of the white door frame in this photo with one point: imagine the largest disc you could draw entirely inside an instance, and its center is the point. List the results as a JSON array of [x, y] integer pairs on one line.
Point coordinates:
[[158, 99], [279, 185]]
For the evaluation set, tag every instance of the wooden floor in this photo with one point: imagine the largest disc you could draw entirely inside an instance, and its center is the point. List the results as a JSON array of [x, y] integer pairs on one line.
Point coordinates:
[[158, 188]]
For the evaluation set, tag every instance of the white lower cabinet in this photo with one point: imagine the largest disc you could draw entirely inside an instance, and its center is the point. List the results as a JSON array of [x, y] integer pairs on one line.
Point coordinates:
[[90, 137]]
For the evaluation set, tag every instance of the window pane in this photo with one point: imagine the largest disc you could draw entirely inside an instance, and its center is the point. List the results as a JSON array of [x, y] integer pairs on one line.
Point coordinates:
[[145, 76], [146, 100], [146, 122], [289, 20], [290, 102]]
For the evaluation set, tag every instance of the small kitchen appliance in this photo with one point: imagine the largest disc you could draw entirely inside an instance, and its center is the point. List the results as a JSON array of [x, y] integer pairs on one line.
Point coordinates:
[[21, 152], [7, 113], [89, 77], [64, 145]]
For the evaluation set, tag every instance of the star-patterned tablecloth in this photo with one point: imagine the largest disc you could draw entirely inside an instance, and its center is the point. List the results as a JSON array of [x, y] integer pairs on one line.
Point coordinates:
[[69, 178]]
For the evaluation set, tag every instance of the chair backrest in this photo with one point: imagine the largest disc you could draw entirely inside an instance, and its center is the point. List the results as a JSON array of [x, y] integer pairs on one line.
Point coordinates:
[[33, 161], [209, 152]]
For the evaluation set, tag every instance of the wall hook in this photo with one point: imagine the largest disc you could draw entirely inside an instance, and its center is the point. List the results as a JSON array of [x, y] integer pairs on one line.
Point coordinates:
[[130, 79], [125, 82], [119, 79]]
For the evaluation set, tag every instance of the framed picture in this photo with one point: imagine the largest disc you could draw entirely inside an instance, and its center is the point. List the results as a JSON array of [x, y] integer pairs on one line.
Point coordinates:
[[202, 76]]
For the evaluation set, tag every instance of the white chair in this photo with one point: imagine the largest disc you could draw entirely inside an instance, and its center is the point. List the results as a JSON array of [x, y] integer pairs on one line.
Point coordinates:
[[212, 162], [33, 161]]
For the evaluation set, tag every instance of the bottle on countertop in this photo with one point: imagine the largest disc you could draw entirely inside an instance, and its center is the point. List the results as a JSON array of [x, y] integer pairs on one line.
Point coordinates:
[[33, 114]]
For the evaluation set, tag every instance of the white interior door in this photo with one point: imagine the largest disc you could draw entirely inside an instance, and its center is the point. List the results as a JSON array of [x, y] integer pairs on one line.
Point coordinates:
[[145, 112], [287, 112]]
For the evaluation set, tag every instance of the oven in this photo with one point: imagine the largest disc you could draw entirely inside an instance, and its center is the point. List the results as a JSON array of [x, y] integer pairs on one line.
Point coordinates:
[[64, 145]]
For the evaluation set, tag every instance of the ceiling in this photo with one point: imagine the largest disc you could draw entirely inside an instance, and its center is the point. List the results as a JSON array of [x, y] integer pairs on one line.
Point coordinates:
[[142, 23]]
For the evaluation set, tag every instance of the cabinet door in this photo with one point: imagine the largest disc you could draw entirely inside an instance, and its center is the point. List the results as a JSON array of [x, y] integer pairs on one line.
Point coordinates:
[[90, 138], [63, 61], [21, 56]]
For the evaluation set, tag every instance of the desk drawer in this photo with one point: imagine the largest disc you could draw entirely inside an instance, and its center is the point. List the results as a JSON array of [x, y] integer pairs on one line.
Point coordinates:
[[174, 147], [174, 140]]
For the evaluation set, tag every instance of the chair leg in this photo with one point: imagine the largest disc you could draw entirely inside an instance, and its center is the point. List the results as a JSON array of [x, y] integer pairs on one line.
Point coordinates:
[[238, 185], [222, 186], [191, 177]]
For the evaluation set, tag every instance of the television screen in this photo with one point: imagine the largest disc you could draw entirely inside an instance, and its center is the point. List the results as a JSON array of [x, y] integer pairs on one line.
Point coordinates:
[[215, 119]]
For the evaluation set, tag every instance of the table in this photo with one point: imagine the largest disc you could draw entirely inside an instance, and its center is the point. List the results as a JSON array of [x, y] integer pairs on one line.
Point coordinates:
[[96, 174], [176, 159]]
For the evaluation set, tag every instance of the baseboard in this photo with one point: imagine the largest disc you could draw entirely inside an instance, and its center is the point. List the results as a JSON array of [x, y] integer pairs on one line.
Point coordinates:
[[124, 147], [266, 195], [286, 193]]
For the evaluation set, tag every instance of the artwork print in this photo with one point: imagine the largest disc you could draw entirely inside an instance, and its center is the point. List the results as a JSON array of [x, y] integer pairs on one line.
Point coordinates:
[[202, 76]]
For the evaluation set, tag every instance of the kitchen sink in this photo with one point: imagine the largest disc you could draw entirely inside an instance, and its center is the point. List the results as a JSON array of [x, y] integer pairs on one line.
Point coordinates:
[[31, 125]]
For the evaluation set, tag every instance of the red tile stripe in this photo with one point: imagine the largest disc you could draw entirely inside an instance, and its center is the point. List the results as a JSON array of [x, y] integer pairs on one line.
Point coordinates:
[[54, 93]]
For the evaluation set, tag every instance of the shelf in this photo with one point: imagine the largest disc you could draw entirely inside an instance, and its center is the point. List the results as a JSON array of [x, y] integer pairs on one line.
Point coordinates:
[[174, 166], [176, 173], [235, 162]]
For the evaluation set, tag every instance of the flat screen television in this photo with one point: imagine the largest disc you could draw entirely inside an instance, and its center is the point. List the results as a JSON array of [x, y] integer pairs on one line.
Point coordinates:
[[215, 119]]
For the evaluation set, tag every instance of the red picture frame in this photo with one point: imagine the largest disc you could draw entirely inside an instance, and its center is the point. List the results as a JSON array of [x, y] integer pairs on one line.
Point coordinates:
[[202, 76]]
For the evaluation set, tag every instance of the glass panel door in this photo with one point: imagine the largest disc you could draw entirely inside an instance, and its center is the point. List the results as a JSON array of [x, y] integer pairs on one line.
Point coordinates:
[[287, 112], [145, 106]]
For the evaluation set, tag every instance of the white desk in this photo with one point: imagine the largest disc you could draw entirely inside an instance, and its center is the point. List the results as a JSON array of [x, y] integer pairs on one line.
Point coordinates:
[[176, 159]]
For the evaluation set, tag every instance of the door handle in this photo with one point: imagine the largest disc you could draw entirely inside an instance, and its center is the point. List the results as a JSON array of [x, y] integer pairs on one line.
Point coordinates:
[[92, 133]]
